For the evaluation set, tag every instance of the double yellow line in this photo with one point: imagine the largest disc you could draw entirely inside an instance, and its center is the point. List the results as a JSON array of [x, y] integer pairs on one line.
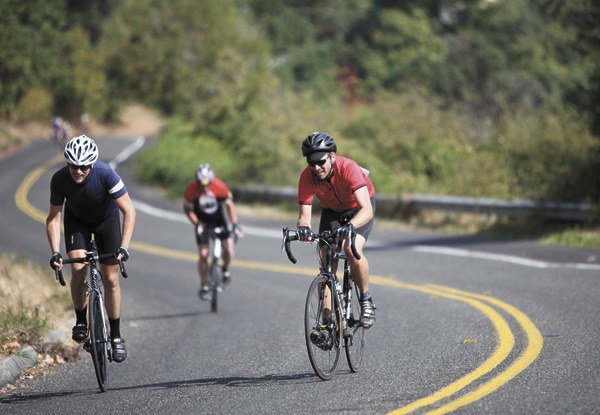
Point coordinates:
[[504, 347], [447, 399]]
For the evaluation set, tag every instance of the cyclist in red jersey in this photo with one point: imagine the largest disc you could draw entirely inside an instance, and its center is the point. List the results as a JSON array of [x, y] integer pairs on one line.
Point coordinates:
[[344, 190], [207, 203]]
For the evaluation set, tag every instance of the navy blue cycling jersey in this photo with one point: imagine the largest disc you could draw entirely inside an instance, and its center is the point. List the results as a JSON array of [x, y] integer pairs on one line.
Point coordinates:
[[91, 201]]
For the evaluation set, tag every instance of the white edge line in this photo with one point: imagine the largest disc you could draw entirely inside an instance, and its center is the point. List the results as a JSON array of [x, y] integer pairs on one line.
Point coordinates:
[[464, 253], [129, 150], [180, 217]]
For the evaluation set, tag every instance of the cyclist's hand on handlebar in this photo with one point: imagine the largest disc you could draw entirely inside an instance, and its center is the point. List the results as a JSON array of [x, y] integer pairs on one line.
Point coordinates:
[[304, 233], [344, 231], [237, 230], [56, 261], [199, 228], [122, 254]]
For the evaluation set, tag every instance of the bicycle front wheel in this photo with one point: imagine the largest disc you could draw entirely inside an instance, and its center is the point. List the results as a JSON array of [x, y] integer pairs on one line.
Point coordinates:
[[354, 335], [322, 322], [98, 339], [215, 284]]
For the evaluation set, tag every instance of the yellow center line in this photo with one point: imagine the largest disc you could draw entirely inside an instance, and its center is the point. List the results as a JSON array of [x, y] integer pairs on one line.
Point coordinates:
[[505, 336], [23, 189], [535, 343], [505, 343]]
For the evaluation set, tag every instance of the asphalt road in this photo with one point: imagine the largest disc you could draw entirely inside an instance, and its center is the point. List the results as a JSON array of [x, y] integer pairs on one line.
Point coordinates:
[[464, 324]]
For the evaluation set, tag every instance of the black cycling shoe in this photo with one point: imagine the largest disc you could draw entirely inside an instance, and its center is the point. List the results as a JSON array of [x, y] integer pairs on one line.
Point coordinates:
[[79, 332], [322, 339], [119, 352], [204, 293]]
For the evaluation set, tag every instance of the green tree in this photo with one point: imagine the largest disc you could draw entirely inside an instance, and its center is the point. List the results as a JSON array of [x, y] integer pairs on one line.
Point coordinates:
[[31, 44], [400, 49]]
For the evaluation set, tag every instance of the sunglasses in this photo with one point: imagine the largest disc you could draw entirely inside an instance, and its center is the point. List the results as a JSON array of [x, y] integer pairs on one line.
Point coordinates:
[[319, 163], [82, 168]]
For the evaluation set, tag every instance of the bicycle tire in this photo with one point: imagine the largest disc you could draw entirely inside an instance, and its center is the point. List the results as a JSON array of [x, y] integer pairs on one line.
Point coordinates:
[[354, 337], [324, 360], [215, 281], [98, 339]]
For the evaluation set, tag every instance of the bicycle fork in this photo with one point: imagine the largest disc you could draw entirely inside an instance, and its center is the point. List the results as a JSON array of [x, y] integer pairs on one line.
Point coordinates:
[[95, 286], [346, 304]]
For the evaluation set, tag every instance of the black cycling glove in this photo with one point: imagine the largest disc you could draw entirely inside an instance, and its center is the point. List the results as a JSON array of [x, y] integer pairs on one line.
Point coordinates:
[[124, 253], [345, 231], [304, 233], [56, 257]]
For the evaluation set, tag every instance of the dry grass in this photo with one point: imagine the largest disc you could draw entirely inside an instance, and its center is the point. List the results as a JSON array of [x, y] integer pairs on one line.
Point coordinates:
[[33, 304]]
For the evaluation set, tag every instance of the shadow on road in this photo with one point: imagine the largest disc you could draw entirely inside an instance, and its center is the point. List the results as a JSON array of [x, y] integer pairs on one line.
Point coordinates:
[[234, 381]]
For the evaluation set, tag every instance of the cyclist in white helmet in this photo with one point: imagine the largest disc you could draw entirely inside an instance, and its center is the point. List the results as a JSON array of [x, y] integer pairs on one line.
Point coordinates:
[[92, 195], [207, 202]]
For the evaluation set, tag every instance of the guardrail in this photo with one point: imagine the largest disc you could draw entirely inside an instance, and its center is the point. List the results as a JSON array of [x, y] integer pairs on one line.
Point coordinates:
[[409, 205]]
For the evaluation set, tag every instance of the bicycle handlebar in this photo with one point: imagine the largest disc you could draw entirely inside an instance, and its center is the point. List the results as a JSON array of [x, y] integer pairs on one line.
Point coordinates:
[[89, 256], [285, 243], [59, 276], [290, 235]]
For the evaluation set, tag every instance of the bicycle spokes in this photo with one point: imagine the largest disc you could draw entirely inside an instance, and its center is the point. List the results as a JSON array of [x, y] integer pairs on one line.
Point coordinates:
[[322, 331]]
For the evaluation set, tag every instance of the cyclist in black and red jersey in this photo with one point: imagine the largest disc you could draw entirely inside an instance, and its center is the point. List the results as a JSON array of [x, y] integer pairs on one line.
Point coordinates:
[[208, 203], [93, 195], [344, 190]]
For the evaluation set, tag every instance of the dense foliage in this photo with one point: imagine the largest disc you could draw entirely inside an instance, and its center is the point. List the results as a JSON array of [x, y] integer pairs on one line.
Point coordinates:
[[472, 97]]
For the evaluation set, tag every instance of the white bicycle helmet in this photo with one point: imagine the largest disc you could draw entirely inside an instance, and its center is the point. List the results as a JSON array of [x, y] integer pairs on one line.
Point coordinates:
[[205, 174], [81, 151]]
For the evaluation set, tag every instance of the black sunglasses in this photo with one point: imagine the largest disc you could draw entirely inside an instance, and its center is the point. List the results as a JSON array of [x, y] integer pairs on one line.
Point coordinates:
[[82, 168], [319, 163]]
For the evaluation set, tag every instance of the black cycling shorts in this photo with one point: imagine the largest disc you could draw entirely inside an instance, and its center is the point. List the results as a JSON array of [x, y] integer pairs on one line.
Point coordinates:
[[107, 235], [204, 237], [330, 220]]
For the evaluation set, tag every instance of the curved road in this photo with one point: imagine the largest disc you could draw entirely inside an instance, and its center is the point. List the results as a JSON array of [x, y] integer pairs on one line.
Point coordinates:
[[464, 324]]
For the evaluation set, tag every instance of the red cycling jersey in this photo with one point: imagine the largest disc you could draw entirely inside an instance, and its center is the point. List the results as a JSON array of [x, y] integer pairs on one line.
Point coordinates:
[[207, 201], [336, 192]]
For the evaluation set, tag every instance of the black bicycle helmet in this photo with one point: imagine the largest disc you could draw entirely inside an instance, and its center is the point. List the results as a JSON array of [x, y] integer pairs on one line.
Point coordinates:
[[318, 142]]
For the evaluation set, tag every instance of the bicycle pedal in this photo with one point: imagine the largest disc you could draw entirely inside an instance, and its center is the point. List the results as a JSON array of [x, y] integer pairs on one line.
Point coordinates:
[[87, 346]]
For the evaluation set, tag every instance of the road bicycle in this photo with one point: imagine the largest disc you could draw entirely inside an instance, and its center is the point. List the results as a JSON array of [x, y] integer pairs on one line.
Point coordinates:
[[98, 339], [215, 270], [327, 326]]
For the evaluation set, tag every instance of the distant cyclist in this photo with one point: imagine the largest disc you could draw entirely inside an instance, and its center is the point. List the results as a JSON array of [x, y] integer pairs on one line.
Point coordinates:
[[344, 191], [93, 195], [61, 130], [208, 203]]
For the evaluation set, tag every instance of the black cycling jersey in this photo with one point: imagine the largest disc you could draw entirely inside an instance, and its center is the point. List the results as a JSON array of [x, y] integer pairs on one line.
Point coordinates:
[[91, 201]]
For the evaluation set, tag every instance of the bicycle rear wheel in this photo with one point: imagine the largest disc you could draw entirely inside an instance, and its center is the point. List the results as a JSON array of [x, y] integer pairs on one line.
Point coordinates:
[[324, 347], [215, 284], [98, 339], [355, 333]]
